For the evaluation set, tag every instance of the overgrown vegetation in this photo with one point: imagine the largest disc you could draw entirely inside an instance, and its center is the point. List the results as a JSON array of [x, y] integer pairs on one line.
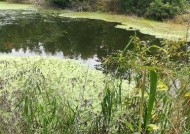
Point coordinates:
[[145, 90], [160, 110], [155, 9], [49, 95]]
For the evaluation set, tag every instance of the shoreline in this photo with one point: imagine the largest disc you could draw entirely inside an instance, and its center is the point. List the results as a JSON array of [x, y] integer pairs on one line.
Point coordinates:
[[164, 30]]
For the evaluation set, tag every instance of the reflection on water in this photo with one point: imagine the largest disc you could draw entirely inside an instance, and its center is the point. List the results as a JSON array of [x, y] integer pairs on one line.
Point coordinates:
[[29, 33]]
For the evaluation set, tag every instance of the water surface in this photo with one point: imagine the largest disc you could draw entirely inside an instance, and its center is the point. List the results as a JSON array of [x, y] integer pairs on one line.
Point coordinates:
[[29, 33]]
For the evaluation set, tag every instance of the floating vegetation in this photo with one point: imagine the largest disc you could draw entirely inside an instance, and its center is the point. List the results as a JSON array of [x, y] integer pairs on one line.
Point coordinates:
[[34, 80]]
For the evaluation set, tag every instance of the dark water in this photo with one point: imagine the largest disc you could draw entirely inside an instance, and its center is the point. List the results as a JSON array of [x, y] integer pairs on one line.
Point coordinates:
[[27, 33]]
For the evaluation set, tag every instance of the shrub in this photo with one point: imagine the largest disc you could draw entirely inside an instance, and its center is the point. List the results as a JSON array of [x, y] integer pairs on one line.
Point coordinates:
[[83, 5], [182, 19], [109, 5], [79, 5], [156, 9], [159, 11], [137, 7], [61, 3]]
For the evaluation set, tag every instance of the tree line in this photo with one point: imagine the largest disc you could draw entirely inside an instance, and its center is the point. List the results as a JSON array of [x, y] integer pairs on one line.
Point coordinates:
[[155, 9]]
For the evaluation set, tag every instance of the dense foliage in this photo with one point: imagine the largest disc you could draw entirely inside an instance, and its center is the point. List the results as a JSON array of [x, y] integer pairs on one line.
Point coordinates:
[[162, 10], [156, 9], [63, 3], [171, 103], [138, 7]]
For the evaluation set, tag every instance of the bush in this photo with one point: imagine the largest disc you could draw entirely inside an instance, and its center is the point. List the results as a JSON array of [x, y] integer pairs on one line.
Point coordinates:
[[83, 5], [182, 19], [61, 3], [79, 5], [159, 11], [137, 7], [109, 5], [156, 9]]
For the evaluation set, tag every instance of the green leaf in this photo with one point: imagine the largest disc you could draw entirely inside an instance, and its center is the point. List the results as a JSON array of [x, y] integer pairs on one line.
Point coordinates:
[[162, 86], [187, 94], [152, 96], [153, 127], [130, 126]]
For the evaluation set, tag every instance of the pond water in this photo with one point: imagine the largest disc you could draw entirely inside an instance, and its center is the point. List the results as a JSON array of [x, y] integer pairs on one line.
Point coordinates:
[[29, 33]]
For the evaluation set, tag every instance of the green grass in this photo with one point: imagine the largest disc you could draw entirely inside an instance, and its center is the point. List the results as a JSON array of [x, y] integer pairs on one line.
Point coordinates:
[[14, 6]]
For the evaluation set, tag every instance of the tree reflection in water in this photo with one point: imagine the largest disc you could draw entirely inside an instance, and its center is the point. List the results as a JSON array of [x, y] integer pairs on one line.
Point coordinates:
[[27, 33]]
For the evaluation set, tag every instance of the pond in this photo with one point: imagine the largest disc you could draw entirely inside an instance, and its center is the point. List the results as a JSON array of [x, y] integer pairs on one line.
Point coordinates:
[[30, 33]]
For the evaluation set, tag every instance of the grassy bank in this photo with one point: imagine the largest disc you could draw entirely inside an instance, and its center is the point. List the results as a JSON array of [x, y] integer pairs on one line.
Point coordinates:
[[14, 6], [166, 30]]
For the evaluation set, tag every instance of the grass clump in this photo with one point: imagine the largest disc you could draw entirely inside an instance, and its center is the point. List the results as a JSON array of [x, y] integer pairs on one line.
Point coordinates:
[[161, 76]]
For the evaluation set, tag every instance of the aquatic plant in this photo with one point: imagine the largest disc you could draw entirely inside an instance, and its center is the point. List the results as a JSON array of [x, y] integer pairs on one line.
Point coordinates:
[[46, 95]]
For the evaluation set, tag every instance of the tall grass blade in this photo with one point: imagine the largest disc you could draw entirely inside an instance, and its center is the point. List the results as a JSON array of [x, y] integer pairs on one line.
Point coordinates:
[[142, 103], [152, 96], [128, 44]]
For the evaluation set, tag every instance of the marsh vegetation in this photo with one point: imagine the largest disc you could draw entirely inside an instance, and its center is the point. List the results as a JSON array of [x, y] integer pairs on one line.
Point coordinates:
[[139, 91], [132, 83]]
